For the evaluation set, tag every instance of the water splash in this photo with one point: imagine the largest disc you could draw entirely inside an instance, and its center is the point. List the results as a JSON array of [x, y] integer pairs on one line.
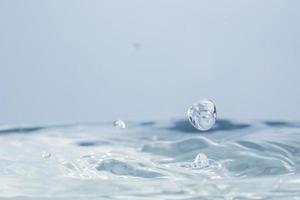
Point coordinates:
[[201, 161]]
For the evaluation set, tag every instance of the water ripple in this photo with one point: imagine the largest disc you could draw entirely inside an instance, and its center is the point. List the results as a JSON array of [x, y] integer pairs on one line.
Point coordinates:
[[161, 160]]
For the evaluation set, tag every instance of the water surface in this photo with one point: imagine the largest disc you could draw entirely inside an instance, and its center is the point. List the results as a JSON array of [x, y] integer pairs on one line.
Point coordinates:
[[151, 160]]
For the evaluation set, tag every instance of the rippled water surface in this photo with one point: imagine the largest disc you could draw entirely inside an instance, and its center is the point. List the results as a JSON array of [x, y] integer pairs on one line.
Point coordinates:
[[151, 160]]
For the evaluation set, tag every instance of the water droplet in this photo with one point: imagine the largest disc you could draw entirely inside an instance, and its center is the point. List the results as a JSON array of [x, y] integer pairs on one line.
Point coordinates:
[[202, 115], [119, 124], [201, 161], [46, 155]]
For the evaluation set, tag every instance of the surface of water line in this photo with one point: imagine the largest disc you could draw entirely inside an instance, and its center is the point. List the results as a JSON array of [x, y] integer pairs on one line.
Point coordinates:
[[151, 160]]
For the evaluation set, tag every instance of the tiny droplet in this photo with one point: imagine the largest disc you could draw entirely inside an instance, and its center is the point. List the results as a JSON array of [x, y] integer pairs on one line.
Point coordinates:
[[119, 124], [46, 155]]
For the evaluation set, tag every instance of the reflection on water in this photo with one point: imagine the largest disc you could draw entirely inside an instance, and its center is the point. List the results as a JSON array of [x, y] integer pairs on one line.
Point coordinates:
[[20, 130], [282, 124], [146, 160], [221, 125]]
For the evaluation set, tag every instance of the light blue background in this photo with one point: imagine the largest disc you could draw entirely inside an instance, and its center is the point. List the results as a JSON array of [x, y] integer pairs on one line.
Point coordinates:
[[68, 61]]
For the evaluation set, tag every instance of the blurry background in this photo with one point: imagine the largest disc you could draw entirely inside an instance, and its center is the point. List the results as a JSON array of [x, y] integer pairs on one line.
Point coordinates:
[[70, 61]]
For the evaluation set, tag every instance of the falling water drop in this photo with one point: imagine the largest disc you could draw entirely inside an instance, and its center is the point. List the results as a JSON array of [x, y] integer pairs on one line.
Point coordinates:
[[202, 115], [119, 124]]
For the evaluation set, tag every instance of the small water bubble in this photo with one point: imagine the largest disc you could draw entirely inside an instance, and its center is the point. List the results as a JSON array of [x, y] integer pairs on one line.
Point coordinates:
[[119, 124], [202, 115]]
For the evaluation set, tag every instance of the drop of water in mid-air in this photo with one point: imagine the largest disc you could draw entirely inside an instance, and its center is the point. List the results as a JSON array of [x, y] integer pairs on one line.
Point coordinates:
[[119, 124], [202, 115]]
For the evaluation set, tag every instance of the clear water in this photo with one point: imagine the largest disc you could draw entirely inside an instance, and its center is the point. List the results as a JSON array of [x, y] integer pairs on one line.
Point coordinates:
[[151, 160], [202, 115]]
